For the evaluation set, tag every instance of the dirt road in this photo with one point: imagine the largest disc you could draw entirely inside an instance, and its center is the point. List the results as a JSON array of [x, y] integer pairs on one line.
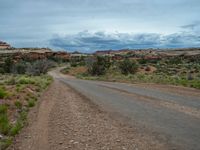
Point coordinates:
[[112, 116]]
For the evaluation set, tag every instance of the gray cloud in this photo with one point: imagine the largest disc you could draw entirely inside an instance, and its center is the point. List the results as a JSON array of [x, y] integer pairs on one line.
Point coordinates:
[[192, 26], [31, 23], [86, 41]]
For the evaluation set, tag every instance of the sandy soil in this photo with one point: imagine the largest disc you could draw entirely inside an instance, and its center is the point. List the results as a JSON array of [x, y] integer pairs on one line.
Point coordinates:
[[66, 120]]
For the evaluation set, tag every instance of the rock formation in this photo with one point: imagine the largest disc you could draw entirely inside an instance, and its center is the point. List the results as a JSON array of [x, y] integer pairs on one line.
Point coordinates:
[[4, 45]]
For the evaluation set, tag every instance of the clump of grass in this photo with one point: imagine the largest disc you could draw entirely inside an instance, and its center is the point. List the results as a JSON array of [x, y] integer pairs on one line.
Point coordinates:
[[11, 81], [18, 104], [38, 89], [3, 93], [23, 115], [26, 80], [31, 103], [20, 87], [5, 143], [3, 109], [4, 121], [16, 128], [31, 96], [65, 70]]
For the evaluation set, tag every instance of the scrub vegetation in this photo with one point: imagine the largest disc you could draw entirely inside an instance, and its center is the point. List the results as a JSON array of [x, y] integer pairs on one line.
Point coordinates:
[[21, 84], [175, 70]]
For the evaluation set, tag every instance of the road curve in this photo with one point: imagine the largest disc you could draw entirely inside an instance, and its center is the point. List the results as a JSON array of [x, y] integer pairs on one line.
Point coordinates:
[[172, 113]]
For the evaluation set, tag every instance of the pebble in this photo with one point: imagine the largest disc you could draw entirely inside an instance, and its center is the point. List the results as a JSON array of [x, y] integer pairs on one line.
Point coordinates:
[[60, 143], [1, 136], [118, 140], [75, 143], [71, 141], [27, 137], [124, 148]]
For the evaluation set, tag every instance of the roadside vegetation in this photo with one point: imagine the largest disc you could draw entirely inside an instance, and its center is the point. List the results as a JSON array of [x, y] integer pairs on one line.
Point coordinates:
[[178, 70], [21, 84]]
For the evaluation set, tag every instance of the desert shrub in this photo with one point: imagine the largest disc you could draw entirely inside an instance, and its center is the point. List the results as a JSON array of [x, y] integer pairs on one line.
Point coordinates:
[[20, 68], [18, 104], [31, 103], [3, 93], [3, 109], [16, 128], [2, 70], [26, 80], [98, 66], [196, 84], [11, 81], [174, 60], [142, 61], [189, 76], [7, 67], [147, 68], [19, 87], [73, 63], [5, 143], [4, 121], [57, 59], [42, 82], [23, 115], [128, 66], [39, 67], [65, 70]]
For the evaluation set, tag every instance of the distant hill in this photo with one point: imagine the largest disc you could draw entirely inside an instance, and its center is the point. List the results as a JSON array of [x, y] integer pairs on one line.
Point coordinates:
[[4, 45], [166, 52]]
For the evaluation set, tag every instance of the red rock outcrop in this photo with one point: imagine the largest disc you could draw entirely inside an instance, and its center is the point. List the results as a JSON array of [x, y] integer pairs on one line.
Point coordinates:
[[4, 45]]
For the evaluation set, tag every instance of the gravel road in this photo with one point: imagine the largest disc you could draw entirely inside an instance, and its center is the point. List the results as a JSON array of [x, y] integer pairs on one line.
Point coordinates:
[[78, 114]]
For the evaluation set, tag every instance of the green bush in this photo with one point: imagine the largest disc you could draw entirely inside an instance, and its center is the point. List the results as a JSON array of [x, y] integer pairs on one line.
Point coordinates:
[[18, 104], [73, 63], [4, 121], [31, 103], [23, 115], [16, 128], [65, 70], [3, 109], [20, 87], [8, 65], [26, 80], [98, 66], [3, 93], [128, 66], [5, 143], [39, 67], [142, 61], [20, 67], [11, 81]]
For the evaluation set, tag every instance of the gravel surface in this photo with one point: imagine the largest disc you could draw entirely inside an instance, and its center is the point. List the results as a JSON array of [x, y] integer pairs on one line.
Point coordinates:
[[67, 120], [91, 115]]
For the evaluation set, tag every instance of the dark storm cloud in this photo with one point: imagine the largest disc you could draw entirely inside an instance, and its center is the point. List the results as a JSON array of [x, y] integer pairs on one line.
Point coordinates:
[[100, 41]]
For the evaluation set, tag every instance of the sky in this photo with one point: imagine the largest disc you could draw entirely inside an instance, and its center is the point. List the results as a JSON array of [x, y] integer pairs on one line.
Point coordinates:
[[90, 25]]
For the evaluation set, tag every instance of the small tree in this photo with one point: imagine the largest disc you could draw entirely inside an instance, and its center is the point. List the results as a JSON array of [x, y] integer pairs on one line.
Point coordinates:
[[39, 67], [8, 65], [128, 66], [20, 67], [98, 66]]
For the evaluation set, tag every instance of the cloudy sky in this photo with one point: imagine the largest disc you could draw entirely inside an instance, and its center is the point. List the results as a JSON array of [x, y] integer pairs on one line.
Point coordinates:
[[89, 25]]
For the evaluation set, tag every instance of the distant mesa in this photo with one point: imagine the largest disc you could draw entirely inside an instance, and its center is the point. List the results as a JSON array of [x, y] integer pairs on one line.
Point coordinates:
[[4, 45], [30, 53]]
